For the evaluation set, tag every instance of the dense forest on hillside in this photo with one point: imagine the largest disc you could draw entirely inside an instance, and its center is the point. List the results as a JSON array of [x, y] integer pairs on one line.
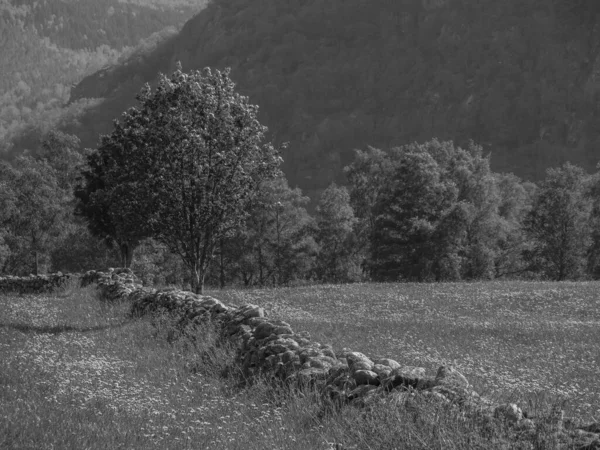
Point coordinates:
[[518, 77], [48, 46], [433, 138]]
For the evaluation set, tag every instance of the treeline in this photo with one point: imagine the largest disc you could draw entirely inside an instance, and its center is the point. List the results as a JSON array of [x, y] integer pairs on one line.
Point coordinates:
[[419, 212], [422, 212]]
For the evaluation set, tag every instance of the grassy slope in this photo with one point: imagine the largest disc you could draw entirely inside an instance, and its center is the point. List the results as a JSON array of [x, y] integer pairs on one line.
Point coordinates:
[[75, 373]]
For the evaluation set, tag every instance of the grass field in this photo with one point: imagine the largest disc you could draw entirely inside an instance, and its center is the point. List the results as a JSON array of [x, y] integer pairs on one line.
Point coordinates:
[[508, 338], [76, 373]]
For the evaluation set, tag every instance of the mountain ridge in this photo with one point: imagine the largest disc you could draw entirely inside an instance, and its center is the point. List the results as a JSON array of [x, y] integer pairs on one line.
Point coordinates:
[[518, 77]]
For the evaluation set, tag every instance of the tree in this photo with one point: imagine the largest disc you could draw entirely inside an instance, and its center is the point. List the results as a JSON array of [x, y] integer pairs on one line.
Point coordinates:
[[276, 244], [61, 151], [106, 198], [368, 175], [516, 199], [32, 212], [407, 216], [437, 217], [336, 259], [195, 157], [558, 224], [593, 264]]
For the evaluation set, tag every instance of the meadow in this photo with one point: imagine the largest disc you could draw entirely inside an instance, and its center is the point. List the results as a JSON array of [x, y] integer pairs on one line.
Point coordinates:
[[78, 373]]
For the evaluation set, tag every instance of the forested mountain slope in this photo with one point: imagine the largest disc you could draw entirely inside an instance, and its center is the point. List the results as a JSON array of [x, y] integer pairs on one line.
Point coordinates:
[[46, 46], [520, 77]]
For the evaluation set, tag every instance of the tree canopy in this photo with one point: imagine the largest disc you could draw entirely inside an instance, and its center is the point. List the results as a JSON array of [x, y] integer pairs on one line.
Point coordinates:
[[183, 166]]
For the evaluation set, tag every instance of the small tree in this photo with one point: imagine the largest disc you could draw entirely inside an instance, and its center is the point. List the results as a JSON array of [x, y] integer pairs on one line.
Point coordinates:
[[32, 212], [336, 259], [276, 244], [107, 202], [368, 175], [558, 224], [194, 159], [408, 214]]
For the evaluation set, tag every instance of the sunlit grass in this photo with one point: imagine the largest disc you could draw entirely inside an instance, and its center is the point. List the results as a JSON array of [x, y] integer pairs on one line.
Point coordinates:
[[77, 373], [511, 339]]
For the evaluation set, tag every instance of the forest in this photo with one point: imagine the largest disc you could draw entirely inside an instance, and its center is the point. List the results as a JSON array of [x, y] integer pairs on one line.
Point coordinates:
[[49, 46], [447, 140], [430, 211], [518, 77]]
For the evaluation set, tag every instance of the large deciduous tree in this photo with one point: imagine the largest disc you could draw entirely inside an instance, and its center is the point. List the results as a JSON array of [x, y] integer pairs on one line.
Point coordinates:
[[193, 157]]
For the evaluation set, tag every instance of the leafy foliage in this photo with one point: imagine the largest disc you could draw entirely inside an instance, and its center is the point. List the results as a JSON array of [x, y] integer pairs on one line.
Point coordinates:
[[32, 212], [559, 224], [336, 260], [183, 166], [276, 244], [438, 216]]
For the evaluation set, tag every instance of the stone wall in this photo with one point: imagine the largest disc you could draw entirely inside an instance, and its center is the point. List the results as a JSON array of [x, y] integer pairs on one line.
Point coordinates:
[[271, 348], [35, 284]]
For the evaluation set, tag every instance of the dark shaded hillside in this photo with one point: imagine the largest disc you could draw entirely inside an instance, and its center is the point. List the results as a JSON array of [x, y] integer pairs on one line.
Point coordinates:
[[517, 76]]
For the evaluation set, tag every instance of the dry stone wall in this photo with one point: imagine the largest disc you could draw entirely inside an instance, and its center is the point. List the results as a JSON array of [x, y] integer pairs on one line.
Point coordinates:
[[272, 348], [35, 284]]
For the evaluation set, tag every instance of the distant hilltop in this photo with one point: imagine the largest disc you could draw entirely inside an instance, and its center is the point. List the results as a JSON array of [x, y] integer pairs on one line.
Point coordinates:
[[518, 77]]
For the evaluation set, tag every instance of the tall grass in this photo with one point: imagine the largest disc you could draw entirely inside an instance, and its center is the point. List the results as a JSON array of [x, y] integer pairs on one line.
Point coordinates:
[[78, 373]]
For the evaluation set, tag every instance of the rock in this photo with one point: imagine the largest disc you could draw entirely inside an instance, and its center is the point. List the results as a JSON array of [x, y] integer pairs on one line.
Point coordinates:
[[309, 376], [389, 363], [321, 362], [382, 371], [509, 412], [288, 356], [366, 377], [263, 330], [448, 375], [401, 381], [409, 372], [358, 361], [328, 351]]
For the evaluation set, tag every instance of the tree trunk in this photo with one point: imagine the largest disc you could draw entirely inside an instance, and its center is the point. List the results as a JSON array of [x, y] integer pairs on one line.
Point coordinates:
[[36, 262], [129, 256], [222, 268], [261, 279], [198, 279], [126, 251]]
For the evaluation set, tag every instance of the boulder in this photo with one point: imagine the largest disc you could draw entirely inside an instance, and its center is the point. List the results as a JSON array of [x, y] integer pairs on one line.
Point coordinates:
[[509, 412], [366, 377]]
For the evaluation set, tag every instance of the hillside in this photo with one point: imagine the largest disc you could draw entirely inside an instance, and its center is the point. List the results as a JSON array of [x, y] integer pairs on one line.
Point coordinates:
[[48, 46], [519, 77]]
